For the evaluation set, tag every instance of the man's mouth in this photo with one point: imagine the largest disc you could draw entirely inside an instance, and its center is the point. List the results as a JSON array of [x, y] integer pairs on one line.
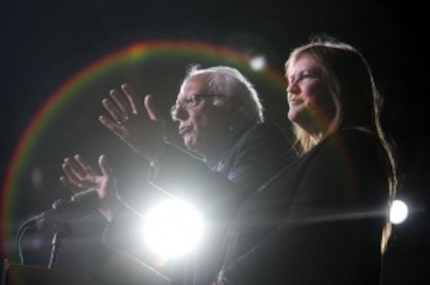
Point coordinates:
[[184, 130]]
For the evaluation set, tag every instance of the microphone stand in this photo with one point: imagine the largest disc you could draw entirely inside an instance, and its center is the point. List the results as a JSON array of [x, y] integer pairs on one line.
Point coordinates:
[[61, 230], [56, 220], [55, 243]]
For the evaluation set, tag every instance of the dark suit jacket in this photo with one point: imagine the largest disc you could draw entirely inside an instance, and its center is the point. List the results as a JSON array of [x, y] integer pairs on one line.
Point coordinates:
[[318, 221], [215, 186]]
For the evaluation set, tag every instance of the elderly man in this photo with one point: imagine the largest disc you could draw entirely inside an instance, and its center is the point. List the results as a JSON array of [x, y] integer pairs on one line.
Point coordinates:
[[220, 118]]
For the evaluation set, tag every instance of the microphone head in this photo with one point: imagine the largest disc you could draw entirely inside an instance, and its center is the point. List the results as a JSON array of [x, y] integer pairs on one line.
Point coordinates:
[[85, 199], [78, 206]]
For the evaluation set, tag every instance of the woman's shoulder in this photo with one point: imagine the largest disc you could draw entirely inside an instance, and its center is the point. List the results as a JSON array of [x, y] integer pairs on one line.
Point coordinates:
[[357, 133], [354, 137], [357, 147]]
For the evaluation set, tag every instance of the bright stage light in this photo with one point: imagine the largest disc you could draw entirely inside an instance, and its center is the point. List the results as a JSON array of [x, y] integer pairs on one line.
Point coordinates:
[[173, 228], [258, 62], [398, 212]]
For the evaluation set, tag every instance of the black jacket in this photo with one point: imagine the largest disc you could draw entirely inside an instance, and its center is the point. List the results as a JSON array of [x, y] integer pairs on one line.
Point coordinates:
[[318, 221], [215, 185]]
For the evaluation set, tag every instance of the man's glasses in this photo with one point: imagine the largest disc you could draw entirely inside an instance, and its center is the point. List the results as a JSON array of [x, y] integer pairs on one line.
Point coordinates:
[[188, 103]]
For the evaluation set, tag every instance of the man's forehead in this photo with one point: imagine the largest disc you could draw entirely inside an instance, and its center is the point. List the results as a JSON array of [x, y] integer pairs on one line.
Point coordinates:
[[194, 85]]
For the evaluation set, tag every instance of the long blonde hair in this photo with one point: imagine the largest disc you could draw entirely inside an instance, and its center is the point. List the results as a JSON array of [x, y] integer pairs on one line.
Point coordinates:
[[356, 96]]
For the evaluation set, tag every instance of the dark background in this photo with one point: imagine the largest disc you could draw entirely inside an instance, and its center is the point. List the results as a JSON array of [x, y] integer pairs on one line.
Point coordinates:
[[44, 43]]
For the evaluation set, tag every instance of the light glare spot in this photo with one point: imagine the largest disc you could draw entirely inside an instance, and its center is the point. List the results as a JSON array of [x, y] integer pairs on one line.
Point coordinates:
[[398, 212], [172, 229], [258, 62]]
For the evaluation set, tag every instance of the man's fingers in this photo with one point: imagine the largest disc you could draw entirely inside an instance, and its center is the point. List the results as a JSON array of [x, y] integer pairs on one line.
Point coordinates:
[[136, 108], [108, 123], [104, 165], [121, 101], [84, 164], [73, 169], [71, 179], [152, 110], [117, 129], [116, 113], [74, 186], [66, 182]]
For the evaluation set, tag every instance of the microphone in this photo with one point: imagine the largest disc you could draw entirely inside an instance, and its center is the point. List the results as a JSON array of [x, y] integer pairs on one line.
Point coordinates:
[[79, 205]]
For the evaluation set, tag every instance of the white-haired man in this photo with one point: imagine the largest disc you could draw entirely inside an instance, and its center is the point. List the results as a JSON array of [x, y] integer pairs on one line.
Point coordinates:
[[220, 117]]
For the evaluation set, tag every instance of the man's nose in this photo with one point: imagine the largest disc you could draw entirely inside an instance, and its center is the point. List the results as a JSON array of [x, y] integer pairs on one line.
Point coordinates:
[[179, 114], [292, 88]]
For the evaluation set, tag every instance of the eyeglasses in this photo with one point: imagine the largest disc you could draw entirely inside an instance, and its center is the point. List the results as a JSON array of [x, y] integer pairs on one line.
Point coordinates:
[[188, 103]]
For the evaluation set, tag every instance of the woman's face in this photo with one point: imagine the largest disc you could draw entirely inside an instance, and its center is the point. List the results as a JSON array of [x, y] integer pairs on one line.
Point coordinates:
[[311, 104]]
